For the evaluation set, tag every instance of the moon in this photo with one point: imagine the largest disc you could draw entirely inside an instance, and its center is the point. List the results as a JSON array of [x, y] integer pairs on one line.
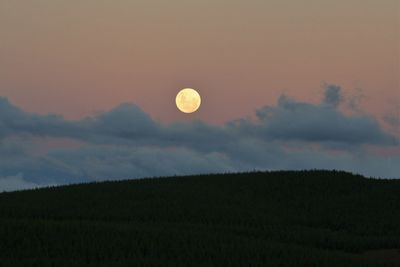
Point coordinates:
[[188, 100]]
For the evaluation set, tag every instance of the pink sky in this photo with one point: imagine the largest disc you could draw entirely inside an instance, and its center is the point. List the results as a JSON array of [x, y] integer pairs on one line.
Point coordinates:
[[81, 57]]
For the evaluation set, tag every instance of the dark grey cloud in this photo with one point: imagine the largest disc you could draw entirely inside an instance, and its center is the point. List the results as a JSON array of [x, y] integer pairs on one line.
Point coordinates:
[[14, 121], [126, 121], [294, 120], [128, 124], [125, 142], [393, 119], [333, 95]]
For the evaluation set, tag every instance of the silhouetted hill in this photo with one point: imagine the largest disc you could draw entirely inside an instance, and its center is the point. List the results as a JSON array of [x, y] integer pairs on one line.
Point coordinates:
[[288, 218]]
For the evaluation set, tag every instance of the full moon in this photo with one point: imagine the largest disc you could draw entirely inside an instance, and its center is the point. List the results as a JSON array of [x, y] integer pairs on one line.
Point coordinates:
[[188, 100]]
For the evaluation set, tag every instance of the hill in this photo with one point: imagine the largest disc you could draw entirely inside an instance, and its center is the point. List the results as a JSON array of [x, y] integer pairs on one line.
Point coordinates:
[[288, 218]]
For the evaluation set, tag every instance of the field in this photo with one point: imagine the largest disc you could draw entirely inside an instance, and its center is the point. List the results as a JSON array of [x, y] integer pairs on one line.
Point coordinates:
[[287, 218]]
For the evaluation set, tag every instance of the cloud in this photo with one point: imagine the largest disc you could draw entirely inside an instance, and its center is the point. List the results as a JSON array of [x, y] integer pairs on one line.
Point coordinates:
[[294, 120], [14, 121], [392, 119], [333, 95], [125, 142], [17, 182], [127, 121], [117, 162]]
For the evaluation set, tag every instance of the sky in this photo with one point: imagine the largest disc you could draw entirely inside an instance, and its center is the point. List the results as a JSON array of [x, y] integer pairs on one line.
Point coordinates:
[[88, 87]]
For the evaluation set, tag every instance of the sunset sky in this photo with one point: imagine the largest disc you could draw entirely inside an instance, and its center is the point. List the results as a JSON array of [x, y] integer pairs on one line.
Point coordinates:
[[82, 59]]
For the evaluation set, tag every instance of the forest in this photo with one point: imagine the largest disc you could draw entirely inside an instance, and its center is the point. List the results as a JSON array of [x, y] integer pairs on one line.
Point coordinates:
[[280, 218]]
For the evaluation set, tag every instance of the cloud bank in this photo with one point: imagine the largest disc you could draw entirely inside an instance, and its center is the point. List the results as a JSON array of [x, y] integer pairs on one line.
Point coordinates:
[[125, 142]]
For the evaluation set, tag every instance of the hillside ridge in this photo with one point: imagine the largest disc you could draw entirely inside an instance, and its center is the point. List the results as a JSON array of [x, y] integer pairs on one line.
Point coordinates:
[[285, 218]]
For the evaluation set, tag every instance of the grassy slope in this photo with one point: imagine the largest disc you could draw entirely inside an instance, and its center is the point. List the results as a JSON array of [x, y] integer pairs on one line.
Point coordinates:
[[312, 218]]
